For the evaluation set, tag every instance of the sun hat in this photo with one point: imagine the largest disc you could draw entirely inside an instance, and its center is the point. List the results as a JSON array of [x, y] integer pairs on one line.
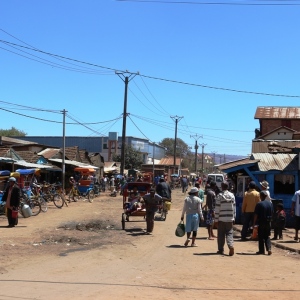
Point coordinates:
[[12, 179], [265, 184], [193, 190]]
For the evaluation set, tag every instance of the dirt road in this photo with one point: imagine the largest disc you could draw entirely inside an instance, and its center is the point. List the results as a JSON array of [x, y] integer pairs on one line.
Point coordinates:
[[80, 252]]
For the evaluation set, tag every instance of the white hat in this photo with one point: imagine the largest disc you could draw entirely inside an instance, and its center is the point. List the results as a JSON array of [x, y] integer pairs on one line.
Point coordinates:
[[193, 190], [12, 179], [265, 184]]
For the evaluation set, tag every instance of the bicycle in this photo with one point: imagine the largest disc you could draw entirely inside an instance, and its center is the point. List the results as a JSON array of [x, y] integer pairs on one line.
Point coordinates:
[[33, 203], [53, 192]]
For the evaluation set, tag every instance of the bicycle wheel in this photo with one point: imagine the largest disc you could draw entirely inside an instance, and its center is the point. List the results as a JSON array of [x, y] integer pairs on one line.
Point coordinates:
[[91, 196], [35, 206], [44, 204], [58, 200]]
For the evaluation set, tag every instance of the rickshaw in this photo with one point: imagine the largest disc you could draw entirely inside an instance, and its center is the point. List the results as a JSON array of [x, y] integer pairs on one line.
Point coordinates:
[[143, 188], [85, 185]]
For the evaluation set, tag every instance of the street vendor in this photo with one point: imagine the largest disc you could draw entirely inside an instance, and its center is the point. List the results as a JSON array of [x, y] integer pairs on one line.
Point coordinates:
[[152, 200]]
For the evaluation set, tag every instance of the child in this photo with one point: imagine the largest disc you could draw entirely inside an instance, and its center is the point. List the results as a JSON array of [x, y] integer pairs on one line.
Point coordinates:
[[279, 222]]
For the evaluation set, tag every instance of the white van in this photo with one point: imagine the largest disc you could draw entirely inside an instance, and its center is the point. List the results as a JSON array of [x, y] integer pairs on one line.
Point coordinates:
[[218, 178]]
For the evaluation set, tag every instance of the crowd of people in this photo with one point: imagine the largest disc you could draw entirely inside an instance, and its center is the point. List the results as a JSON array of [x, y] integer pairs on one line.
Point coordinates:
[[219, 207]]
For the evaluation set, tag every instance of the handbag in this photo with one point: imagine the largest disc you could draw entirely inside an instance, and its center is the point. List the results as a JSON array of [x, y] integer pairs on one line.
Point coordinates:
[[14, 214], [180, 229]]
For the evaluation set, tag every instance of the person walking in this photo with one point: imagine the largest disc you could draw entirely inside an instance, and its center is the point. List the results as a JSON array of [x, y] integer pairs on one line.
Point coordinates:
[[151, 200], [225, 213], [210, 206], [163, 189], [251, 198], [262, 217], [12, 198], [184, 184], [192, 209], [295, 212]]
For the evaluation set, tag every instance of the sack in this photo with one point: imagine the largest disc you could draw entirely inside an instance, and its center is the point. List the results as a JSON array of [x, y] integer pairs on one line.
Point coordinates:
[[14, 214], [180, 229]]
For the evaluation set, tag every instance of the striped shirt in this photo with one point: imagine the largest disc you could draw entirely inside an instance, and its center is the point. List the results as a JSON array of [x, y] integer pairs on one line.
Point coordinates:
[[225, 207]]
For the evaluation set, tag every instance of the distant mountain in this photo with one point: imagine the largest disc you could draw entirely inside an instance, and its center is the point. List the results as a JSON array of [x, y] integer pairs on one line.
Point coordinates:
[[220, 159]]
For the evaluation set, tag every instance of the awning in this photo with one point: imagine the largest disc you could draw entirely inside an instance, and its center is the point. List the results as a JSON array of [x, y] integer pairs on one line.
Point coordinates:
[[26, 164], [73, 163], [7, 159]]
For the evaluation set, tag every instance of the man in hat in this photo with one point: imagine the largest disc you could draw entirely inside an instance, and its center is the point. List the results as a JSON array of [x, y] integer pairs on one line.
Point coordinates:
[[225, 213], [12, 198], [265, 187], [192, 209], [251, 198], [152, 200]]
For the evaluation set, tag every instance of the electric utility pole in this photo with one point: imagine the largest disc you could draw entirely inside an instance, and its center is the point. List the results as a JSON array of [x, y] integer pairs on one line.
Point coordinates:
[[202, 145], [177, 119], [196, 137], [214, 155], [126, 80]]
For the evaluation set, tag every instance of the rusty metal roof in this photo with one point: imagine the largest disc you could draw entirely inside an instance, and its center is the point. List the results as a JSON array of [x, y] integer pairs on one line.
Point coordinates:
[[168, 161], [263, 146], [266, 162], [279, 161], [232, 164], [277, 112]]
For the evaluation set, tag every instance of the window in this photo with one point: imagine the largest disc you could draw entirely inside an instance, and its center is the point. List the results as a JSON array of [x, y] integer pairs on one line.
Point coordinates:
[[284, 184]]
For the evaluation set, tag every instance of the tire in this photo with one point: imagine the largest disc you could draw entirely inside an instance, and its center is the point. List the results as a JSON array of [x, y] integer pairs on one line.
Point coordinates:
[[44, 204], [35, 207], [58, 200], [123, 221], [91, 196]]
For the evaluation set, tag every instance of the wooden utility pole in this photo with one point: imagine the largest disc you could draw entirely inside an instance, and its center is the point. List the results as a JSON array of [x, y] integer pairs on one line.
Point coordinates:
[[126, 80]]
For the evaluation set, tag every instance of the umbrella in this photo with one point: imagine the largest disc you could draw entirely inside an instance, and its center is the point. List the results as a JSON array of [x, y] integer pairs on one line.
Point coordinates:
[[174, 175]]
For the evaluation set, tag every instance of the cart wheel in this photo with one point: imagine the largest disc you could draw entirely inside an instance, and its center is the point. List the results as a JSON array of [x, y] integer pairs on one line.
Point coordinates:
[[123, 221], [91, 196]]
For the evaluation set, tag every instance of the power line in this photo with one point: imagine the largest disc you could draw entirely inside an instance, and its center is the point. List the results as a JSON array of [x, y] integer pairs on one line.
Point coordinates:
[[59, 122], [212, 3], [158, 78]]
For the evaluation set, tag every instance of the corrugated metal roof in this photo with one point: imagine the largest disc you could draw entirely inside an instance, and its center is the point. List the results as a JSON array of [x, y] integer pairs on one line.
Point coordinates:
[[277, 112], [73, 163], [261, 146], [49, 152], [236, 163], [168, 161], [279, 161]]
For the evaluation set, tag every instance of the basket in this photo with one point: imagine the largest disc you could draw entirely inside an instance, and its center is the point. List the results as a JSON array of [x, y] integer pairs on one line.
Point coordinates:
[[167, 205]]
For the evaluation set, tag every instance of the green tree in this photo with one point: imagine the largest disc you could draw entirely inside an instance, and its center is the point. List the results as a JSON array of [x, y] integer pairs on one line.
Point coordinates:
[[181, 147], [12, 132], [133, 158]]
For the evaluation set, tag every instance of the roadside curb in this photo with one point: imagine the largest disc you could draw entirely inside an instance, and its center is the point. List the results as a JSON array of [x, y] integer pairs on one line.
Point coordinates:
[[276, 244]]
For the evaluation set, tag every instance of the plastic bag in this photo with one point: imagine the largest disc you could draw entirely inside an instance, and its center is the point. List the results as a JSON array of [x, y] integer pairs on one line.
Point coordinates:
[[254, 235], [180, 229]]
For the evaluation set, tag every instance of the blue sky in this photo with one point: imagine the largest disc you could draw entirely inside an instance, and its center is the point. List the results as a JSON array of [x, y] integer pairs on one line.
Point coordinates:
[[191, 57]]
